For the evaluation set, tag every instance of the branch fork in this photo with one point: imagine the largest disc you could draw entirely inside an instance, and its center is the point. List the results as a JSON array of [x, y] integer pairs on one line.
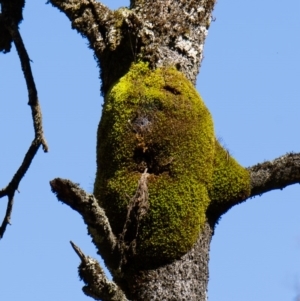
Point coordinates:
[[39, 139], [113, 250]]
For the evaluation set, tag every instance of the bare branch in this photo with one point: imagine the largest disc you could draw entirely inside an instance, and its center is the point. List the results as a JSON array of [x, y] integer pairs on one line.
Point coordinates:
[[78, 251], [91, 18], [33, 102], [94, 217], [7, 216], [264, 177], [97, 284], [276, 174]]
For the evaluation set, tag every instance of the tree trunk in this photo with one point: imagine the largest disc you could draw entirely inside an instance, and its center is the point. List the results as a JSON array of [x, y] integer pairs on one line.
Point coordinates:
[[164, 34]]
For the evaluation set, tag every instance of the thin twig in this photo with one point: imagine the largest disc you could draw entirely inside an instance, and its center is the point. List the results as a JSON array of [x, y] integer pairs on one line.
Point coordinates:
[[33, 102], [78, 251], [6, 219]]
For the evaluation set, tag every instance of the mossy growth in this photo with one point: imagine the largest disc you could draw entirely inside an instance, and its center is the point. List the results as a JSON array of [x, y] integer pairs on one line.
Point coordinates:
[[230, 183], [230, 180], [155, 119]]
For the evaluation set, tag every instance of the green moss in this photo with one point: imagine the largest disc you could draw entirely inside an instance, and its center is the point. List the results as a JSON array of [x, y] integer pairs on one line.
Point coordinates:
[[155, 119], [230, 182]]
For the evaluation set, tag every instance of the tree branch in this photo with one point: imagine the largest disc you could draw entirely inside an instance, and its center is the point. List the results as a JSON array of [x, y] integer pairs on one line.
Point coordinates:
[[7, 216], [115, 251], [97, 284], [264, 177], [276, 174], [94, 217], [33, 102], [162, 32], [92, 19], [111, 34]]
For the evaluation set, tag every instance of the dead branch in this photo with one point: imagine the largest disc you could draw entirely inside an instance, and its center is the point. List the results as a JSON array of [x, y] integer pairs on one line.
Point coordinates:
[[276, 174], [97, 285], [33, 102], [94, 217], [137, 209]]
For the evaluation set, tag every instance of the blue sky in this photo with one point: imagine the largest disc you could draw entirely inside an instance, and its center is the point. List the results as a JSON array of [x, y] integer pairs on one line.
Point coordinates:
[[249, 80]]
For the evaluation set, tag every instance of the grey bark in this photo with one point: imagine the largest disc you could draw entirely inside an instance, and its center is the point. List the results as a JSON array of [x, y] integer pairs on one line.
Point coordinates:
[[183, 279], [97, 284], [276, 174], [94, 217]]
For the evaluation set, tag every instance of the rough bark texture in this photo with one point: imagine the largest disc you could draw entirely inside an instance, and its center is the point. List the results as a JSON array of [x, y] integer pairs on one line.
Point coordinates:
[[162, 32], [97, 284], [173, 33], [184, 279], [94, 216], [276, 174]]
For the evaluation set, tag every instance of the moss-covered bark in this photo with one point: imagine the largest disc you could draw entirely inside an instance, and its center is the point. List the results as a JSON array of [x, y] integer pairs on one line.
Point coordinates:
[[156, 120]]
